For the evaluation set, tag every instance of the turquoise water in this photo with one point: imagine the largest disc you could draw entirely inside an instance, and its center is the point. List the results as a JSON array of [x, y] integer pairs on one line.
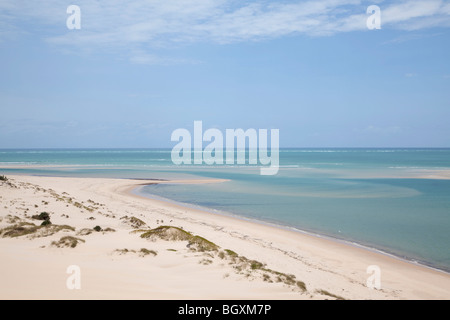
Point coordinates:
[[369, 196]]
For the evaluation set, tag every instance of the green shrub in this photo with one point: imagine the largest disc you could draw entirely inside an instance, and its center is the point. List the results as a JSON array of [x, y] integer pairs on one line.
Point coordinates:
[[41, 216], [46, 223], [97, 228], [3, 178]]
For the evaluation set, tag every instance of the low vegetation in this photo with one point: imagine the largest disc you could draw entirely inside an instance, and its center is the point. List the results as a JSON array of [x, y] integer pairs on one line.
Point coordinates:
[[231, 253], [12, 219], [67, 242], [46, 223], [146, 252], [3, 178], [32, 230], [205, 262], [169, 233], [166, 233], [45, 216], [18, 230], [134, 222], [142, 252], [84, 232], [42, 216], [326, 293], [241, 264]]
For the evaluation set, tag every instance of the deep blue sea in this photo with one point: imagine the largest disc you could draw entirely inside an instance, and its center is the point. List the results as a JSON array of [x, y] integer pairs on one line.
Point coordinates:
[[380, 198]]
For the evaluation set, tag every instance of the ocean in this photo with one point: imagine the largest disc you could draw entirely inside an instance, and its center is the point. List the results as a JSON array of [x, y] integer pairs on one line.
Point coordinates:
[[378, 198]]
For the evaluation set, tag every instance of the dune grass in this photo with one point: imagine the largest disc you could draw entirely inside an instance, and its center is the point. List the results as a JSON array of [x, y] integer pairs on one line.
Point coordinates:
[[170, 233], [241, 264], [134, 222], [67, 242], [326, 293], [32, 230]]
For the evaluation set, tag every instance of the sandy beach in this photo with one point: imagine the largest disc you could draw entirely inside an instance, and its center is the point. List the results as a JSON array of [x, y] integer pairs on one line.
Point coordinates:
[[151, 249]]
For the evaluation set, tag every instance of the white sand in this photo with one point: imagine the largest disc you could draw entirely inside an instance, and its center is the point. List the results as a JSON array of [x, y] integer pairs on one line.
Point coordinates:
[[33, 269]]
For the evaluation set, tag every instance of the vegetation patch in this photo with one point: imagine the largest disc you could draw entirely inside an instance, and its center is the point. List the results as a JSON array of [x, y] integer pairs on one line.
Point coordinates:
[[85, 232], [134, 222], [267, 278], [12, 219], [142, 252], [255, 265], [205, 262], [30, 229], [46, 223], [326, 293], [201, 244], [122, 251], [18, 230], [42, 216], [169, 233], [145, 252], [48, 230], [67, 242], [231, 253], [241, 264], [5, 181]]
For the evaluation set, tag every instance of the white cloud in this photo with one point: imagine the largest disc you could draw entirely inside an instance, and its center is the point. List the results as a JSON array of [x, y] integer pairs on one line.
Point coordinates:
[[408, 10], [136, 24], [418, 14]]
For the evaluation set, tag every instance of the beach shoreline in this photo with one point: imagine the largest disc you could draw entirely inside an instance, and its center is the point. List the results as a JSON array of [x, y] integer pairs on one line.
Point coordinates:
[[134, 191], [324, 265]]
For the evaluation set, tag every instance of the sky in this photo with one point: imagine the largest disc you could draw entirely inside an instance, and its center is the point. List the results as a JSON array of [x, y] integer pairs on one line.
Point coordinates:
[[137, 70]]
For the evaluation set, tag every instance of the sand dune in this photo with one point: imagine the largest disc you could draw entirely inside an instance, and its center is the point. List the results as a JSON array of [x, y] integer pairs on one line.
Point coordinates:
[[201, 256]]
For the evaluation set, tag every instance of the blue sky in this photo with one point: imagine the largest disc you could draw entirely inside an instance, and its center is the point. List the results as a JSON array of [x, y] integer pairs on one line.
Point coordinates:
[[137, 70]]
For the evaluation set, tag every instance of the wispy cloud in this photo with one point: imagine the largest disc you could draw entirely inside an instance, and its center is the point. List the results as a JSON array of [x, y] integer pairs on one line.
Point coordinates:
[[138, 24]]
